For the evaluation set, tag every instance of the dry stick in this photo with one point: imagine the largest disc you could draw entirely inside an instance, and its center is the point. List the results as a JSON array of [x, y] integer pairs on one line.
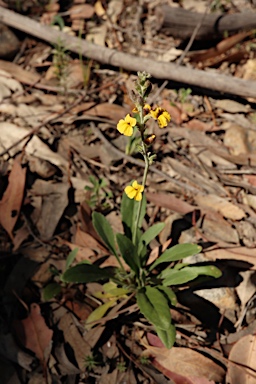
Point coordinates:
[[159, 70]]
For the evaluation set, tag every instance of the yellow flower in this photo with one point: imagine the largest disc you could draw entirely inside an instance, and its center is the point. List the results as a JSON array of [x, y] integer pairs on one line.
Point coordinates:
[[147, 108], [125, 126], [134, 191], [162, 116]]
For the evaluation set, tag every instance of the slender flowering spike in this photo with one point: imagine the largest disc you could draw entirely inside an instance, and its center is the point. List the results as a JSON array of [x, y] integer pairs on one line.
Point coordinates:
[[162, 116], [125, 126], [134, 191]]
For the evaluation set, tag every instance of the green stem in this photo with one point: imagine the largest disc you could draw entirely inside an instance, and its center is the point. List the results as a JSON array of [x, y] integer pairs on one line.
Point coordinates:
[[120, 263], [145, 155]]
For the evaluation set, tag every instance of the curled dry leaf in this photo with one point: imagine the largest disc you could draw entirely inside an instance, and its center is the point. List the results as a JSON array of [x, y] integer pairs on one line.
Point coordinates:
[[12, 199]]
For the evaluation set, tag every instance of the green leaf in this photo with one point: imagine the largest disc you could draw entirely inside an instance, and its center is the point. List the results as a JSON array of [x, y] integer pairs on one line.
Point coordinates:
[[71, 257], [51, 290], [167, 336], [129, 209], [104, 230], [154, 306], [86, 273], [98, 313], [178, 252], [174, 277], [149, 235], [169, 293], [128, 252]]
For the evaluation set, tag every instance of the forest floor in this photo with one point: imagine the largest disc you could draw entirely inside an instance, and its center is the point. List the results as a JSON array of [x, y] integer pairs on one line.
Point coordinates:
[[62, 158]]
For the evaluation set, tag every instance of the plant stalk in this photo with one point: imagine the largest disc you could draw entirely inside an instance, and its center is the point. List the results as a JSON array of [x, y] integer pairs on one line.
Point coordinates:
[[145, 174]]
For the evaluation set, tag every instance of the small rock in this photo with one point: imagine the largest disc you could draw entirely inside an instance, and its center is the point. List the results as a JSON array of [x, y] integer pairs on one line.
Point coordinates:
[[9, 43]]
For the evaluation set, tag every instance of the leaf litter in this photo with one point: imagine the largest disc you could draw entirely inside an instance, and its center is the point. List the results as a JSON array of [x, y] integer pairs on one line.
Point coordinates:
[[44, 212]]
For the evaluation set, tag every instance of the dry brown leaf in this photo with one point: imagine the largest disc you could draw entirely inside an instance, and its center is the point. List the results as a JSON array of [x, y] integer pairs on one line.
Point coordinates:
[[247, 255], [81, 11], [199, 125], [221, 205], [12, 199], [244, 354], [81, 310], [54, 201], [12, 84], [247, 288], [171, 202], [86, 240], [25, 77], [34, 333], [111, 111], [184, 365], [75, 76], [81, 345], [251, 179]]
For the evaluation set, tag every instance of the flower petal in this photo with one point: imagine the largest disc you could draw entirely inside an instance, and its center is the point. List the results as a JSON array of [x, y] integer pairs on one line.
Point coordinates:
[[124, 128], [154, 113], [138, 196], [135, 184], [130, 191], [121, 126], [162, 121], [134, 191], [130, 120]]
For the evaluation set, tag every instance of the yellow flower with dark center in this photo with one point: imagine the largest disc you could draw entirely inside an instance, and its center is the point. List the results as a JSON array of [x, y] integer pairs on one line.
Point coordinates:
[[134, 191], [147, 108], [162, 116], [125, 126]]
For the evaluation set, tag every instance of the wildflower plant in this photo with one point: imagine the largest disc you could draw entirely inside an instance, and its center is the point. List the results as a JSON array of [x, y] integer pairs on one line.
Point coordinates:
[[153, 284]]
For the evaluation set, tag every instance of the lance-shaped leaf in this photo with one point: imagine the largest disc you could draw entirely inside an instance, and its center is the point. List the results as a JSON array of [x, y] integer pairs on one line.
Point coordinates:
[[129, 210], [167, 336], [86, 273], [128, 252], [149, 235], [177, 252], [176, 277], [104, 230], [154, 306]]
